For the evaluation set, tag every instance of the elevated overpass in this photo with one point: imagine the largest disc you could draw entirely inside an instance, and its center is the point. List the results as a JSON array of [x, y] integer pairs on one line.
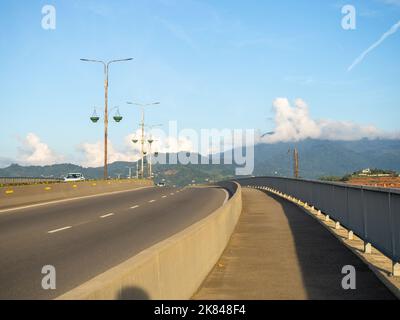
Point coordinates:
[[132, 241]]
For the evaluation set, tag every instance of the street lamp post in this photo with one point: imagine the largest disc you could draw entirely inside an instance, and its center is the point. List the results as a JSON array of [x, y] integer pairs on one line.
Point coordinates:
[[106, 65], [150, 141], [130, 171], [142, 125]]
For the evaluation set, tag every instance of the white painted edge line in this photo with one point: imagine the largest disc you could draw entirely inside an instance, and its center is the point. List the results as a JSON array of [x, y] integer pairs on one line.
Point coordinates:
[[134, 207], [60, 229], [70, 199], [106, 215]]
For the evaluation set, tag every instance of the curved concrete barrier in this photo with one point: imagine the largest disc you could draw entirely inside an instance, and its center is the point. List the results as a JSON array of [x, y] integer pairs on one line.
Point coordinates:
[[31, 194], [171, 269]]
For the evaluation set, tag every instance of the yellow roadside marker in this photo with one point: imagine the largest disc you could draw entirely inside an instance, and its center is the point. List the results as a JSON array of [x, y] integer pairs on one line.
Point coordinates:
[[47, 188], [74, 186], [94, 184], [9, 191]]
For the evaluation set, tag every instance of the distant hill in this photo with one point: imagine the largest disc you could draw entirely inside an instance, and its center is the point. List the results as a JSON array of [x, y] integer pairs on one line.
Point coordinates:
[[327, 158], [317, 158], [172, 174]]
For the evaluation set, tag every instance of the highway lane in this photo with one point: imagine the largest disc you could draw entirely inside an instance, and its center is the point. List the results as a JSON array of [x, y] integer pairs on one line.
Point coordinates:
[[85, 237]]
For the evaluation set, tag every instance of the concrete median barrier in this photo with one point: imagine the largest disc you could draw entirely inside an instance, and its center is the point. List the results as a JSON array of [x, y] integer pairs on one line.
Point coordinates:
[[171, 269], [14, 196]]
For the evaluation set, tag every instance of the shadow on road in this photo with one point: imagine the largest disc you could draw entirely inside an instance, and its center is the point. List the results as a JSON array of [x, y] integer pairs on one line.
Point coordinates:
[[321, 258], [133, 293]]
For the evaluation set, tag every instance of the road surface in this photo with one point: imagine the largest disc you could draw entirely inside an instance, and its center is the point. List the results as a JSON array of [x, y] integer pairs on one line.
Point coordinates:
[[85, 237]]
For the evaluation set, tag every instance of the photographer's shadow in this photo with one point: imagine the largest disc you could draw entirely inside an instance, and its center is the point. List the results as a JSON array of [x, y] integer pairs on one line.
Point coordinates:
[[133, 293]]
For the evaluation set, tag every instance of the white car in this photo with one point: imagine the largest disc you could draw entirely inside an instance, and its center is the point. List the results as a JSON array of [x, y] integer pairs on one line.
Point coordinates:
[[73, 177]]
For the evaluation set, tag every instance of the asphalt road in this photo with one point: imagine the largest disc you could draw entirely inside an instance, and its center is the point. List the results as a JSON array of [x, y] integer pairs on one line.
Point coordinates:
[[85, 237]]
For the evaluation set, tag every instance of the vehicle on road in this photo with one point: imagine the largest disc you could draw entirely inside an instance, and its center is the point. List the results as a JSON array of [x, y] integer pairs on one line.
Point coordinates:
[[73, 177], [161, 184]]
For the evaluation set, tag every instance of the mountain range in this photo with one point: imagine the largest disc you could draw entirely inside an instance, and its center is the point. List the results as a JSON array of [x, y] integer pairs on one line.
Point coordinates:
[[317, 158]]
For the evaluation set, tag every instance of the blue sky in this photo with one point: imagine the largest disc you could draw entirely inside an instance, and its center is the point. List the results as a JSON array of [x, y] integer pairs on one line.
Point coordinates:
[[212, 64]]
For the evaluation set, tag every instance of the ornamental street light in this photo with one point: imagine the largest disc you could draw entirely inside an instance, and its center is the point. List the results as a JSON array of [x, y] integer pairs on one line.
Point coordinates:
[[142, 125], [106, 65], [150, 141], [117, 117]]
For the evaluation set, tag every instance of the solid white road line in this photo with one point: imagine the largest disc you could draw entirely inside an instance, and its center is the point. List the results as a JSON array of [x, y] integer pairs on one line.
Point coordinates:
[[107, 215], [134, 207], [61, 229], [69, 199]]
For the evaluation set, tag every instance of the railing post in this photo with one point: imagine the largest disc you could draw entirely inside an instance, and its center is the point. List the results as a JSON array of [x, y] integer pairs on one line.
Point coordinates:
[[350, 235], [395, 265], [395, 269], [367, 245]]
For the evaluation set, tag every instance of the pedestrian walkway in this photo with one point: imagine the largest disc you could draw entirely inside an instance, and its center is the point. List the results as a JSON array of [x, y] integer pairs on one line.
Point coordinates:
[[277, 251]]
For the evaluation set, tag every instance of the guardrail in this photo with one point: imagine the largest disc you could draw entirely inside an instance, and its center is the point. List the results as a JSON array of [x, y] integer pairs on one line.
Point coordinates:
[[373, 214]]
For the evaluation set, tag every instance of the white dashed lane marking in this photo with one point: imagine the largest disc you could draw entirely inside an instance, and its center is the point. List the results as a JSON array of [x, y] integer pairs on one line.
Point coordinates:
[[134, 207], [151, 201], [60, 229], [107, 215]]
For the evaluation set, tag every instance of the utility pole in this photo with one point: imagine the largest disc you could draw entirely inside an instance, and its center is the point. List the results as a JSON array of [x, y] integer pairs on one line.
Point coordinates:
[[296, 163], [106, 68]]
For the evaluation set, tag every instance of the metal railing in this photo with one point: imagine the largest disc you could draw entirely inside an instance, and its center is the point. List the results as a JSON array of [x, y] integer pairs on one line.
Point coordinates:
[[371, 213]]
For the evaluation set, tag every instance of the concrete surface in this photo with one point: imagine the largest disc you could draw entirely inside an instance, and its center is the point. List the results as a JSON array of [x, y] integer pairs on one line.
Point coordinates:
[[104, 232], [171, 269], [278, 252]]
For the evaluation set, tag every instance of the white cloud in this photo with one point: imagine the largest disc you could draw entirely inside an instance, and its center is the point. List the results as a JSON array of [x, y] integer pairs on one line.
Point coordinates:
[[35, 152], [294, 123], [93, 153]]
